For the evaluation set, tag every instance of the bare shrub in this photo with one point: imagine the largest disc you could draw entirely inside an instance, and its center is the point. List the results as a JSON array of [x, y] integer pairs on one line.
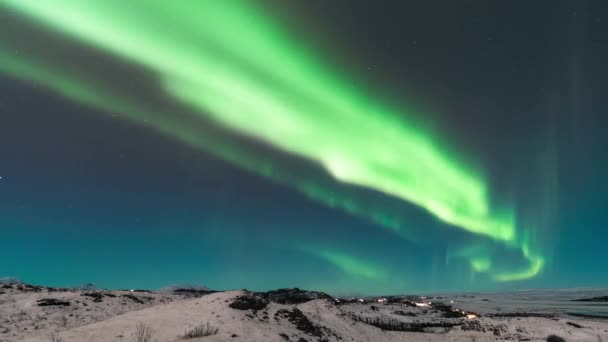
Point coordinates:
[[200, 330], [143, 333], [56, 338]]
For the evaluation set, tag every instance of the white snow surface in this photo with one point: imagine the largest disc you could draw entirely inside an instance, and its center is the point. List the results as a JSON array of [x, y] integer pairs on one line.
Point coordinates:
[[169, 316]]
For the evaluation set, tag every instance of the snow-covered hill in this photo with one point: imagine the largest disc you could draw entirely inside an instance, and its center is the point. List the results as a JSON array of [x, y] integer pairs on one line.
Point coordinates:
[[31, 313]]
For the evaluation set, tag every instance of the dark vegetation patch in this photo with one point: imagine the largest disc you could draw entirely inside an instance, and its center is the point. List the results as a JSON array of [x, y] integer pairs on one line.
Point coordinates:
[[328, 332], [96, 296], [133, 298], [192, 292], [574, 324], [52, 302], [499, 329], [249, 301], [293, 296], [389, 324], [403, 313], [592, 299], [576, 314], [555, 338], [521, 314], [107, 294], [474, 325], [29, 288], [300, 321], [409, 301], [448, 311], [33, 288]]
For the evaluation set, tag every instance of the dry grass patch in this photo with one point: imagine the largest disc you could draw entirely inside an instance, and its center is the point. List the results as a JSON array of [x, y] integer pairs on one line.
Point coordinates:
[[143, 333], [201, 330]]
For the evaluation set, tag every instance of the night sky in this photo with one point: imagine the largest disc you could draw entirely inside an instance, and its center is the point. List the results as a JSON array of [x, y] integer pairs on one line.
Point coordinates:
[[344, 146]]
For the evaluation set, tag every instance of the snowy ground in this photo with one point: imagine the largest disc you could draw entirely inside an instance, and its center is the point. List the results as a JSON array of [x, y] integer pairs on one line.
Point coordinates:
[[96, 315]]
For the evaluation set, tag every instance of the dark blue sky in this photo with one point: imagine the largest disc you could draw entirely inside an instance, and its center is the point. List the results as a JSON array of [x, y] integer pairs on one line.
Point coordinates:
[[86, 197]]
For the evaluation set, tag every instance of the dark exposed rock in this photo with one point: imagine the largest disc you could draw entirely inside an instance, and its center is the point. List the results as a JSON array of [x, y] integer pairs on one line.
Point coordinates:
[[403, 313], [133, 298], [521, 314], [52, 302], [328, 332], [293, 296], [574, 324], [587, 315], [500, 329], [189, 290], [473, 326], [395, 325], [592, 299], [555, 338], [32, 288], [97, 296], [284, 336], [448, 311], [193, 292], [300, 321], [407, 301], [23, 287], [249, 301], [453, 314]]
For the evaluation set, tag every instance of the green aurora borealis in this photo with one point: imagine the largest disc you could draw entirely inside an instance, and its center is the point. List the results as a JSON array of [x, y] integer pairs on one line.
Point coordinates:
[[233, 65]]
